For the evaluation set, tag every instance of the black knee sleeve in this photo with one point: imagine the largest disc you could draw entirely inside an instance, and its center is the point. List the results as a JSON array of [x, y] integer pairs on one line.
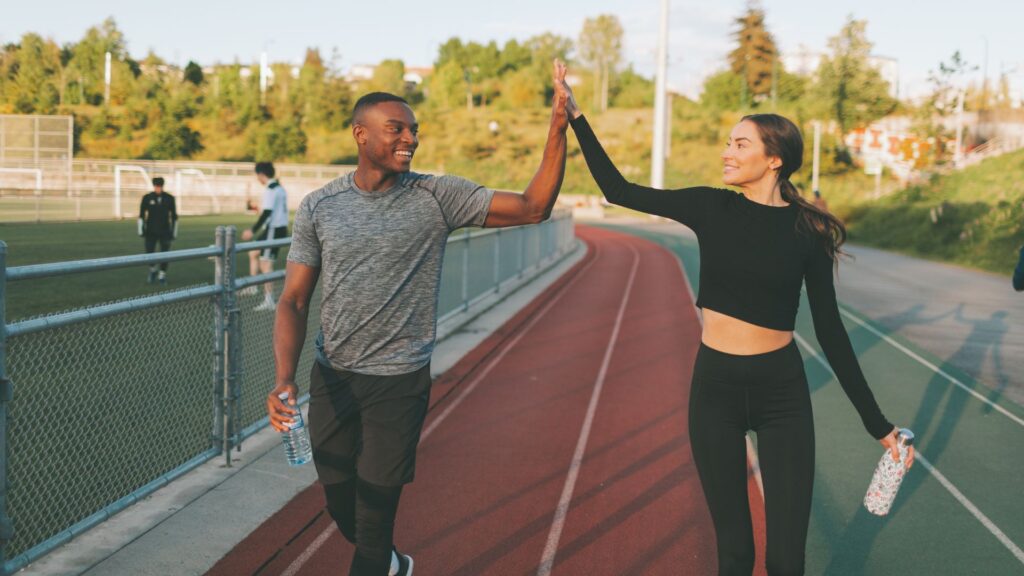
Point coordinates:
[[376, 507], [341, 505]]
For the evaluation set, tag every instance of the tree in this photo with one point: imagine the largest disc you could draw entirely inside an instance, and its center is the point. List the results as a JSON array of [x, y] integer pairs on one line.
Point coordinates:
[[522, 89], [447, 86], [389, 76], [34, 65], [278, 140], [600, 47], [723, 91], [852, 89], [87, 62], [755, 58], [543, 49], [947, 82], [172, 139], [193, 73], [631, 90]]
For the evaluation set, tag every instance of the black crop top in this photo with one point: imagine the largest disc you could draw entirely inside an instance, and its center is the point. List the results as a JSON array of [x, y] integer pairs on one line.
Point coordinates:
[[752, 263]]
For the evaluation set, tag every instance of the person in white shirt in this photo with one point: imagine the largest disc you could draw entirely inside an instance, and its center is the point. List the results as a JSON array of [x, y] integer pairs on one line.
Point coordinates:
[[272, 224]]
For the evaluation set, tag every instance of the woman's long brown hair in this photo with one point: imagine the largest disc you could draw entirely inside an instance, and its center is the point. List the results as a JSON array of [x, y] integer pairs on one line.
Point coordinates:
[[782, 139]]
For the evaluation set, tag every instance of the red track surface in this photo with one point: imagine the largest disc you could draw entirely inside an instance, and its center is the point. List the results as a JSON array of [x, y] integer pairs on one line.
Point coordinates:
[[491, 474]]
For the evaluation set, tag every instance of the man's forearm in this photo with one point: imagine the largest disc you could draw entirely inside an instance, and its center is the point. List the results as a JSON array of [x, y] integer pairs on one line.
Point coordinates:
[[540, 195], [289, 336]]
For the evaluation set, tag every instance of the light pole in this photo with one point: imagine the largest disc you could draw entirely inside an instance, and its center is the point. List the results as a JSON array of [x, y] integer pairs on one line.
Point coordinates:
[[106, 80], [660, 108]]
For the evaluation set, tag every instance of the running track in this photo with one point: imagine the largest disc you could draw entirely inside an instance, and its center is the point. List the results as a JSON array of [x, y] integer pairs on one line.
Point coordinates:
[[557, 446]]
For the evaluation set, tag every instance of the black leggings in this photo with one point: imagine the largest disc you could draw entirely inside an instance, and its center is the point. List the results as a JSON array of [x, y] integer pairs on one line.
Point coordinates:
[[365, 514], [165, 245], [766, 393]]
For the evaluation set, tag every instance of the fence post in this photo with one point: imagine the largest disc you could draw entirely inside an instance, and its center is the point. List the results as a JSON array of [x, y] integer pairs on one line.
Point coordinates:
[[219, 307], [6, 392], [232, 346], [497, 260], [465, 273]]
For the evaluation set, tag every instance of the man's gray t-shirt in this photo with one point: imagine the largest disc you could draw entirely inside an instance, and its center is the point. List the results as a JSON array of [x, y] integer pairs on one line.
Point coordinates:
[[380, 256]]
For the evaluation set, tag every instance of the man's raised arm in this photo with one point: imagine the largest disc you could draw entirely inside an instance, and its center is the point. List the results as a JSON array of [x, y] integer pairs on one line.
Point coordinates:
[[535, 204]]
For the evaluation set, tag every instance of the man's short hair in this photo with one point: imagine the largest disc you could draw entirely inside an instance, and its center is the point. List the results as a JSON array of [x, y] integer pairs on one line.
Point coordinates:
[[372, 99], [265, 168], [158, 181]]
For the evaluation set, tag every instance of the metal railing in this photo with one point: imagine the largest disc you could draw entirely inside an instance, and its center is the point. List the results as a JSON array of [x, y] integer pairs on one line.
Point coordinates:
[[98, 189], [103, 405]]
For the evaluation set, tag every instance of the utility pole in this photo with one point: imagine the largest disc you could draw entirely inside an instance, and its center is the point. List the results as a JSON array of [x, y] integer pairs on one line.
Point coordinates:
[[106, 80], [817, 156], [958, 156], [658, 147], [263, 78]]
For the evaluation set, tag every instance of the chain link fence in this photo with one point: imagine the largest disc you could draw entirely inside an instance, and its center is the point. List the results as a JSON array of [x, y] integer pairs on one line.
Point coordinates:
[[101, 406]]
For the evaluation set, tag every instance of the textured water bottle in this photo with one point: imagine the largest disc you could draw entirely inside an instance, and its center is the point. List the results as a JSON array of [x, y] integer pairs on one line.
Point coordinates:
[[296, 439], [888, 476]]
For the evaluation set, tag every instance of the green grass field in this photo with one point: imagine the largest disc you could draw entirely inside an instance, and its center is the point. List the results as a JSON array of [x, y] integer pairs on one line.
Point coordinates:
[[974, 217], [58, 242]]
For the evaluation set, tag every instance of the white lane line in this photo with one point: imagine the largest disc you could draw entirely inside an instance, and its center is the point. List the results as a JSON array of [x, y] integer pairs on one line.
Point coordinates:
[[933, 367], [949, 486], [755, 464], [547, 560], [999, 534], [308, 553]]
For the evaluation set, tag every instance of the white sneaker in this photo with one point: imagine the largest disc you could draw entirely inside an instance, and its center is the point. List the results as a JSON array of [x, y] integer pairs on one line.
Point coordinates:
[[266, 305], [404, 564], [248, 291]]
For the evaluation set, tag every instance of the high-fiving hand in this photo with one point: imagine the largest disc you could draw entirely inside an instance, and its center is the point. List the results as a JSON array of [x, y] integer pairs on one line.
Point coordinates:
[[563, 92], [559, 117]]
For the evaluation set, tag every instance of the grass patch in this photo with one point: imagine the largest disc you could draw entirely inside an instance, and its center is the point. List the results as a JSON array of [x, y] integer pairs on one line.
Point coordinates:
[[58, 242]]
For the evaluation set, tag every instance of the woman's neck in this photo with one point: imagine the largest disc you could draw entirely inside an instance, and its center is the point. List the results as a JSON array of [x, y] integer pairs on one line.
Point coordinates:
[[765, 191]]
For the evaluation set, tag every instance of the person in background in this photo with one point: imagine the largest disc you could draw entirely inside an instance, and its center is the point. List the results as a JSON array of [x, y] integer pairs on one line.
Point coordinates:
[[158, 226], [271, 225]]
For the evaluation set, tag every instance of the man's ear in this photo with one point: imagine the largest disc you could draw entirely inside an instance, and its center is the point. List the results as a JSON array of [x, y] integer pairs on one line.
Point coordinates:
[[359, 133]]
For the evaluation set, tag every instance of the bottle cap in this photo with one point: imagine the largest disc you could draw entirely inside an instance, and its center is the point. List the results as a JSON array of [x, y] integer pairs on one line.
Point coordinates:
[[905, 437]]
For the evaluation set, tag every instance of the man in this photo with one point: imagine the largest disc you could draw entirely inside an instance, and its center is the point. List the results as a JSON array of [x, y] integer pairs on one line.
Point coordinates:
[[272, 224], [376, 239], [158, 224]]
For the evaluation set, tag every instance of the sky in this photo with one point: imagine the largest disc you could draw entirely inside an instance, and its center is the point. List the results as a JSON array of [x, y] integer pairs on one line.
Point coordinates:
[[918, 35]]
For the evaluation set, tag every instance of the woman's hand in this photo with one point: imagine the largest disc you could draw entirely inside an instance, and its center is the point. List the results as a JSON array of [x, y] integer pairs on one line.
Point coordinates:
[[891, 443], [561, 86]]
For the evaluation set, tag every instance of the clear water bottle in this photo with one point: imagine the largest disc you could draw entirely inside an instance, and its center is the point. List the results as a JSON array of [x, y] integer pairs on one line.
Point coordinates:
[[296, 439], [888, 476]]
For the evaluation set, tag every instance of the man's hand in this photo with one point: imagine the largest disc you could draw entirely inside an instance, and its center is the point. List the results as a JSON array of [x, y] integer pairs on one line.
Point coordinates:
[[559, 115], [278, 410], [562, 87], [246, 235]]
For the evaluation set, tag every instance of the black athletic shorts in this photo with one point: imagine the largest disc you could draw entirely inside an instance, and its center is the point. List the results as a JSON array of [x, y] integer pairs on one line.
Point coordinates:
[[366, 426], [271, 234]]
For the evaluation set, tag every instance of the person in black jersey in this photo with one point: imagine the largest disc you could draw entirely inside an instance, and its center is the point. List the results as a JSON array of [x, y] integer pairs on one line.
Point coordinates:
[[158, 224], [756, 250]]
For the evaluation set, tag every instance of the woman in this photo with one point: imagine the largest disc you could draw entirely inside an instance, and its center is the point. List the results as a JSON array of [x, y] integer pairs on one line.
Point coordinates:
[[756, 249]]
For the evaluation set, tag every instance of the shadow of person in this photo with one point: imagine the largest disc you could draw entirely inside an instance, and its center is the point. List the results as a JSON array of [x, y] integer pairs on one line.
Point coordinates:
[[939, 412]]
